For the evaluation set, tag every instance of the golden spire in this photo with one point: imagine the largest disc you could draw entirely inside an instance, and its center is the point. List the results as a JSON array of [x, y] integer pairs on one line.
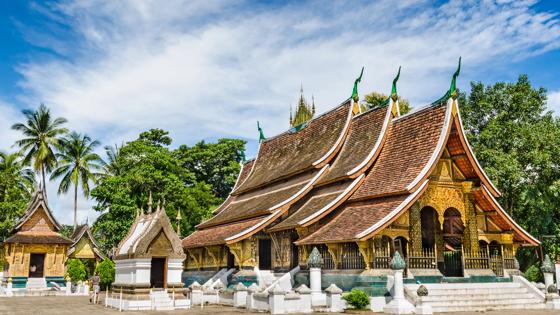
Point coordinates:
[[304, 111], [150, 202]]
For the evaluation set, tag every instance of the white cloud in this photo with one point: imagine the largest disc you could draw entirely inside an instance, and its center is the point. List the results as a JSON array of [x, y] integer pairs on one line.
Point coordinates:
[[554, 102], [210, 69], [8, 116]]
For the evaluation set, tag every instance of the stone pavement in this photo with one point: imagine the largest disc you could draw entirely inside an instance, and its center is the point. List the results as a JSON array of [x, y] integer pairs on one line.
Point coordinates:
[[62, 305]]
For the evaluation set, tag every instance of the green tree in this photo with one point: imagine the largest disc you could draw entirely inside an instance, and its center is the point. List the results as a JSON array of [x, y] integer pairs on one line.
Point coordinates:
[[517, 140], [147, 167], [375, 99], [106, 271], [76, 270], [111, 164], [41, 136], [16, 184], [156, 136], [217, 164], [77, 165]]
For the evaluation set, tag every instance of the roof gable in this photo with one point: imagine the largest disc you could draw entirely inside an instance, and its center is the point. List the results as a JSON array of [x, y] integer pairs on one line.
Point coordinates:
[[38, 215], [142, 234]]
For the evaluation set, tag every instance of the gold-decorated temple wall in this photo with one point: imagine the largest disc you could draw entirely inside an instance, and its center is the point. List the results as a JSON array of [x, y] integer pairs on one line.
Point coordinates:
[[18, 257]]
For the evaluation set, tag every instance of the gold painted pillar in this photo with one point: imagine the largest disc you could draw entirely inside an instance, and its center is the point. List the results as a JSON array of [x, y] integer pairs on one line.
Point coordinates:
[[470, 234], [415, 229], [335, 250], [366, 251]]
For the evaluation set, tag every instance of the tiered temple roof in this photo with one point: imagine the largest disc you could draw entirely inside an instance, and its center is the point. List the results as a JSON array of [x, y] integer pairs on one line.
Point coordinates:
[[353, 174], [38, 225], [84, 232]]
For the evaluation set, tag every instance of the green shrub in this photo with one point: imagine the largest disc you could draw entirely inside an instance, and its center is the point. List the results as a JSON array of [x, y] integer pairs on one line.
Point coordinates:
[[358, 299], [534, 273], [106, 271], [76, 270]]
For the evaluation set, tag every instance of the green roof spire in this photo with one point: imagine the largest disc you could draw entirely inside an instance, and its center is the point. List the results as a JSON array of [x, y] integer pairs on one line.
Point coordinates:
[[355, 96], [261, 133], [394, 87], [453, 88]]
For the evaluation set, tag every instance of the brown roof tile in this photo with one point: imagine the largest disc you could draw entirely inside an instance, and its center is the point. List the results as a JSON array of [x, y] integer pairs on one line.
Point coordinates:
[[411, 141], [352, 220], [363, 134], [23, 238], [294, 152], [217, 234], [258, 202], [311, 206]]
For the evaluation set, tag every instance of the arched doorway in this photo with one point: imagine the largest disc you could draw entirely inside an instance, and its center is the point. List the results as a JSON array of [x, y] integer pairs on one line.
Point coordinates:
[[430, 226], [453, 229]]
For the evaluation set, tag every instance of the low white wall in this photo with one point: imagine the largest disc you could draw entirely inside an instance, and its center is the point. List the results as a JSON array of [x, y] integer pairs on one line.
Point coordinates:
[[133, 271]]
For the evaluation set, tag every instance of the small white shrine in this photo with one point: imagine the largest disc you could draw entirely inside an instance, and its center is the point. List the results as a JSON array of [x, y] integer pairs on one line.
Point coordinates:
[[148, 266]]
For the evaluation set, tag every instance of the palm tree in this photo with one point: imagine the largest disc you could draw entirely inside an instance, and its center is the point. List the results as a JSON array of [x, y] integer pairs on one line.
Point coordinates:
[[15, 173], [112, 165], [41, 135], [77, 164]]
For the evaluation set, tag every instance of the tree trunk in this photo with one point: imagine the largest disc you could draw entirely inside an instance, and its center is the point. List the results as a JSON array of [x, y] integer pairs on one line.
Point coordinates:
[[43, 179], [75, 206]]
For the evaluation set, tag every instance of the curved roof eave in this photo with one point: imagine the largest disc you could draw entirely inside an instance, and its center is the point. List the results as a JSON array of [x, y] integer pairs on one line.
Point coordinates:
[[440, 146], [472, 158], [278, 209], [391, 217], [486, 192], [333, 204], [366, 163]]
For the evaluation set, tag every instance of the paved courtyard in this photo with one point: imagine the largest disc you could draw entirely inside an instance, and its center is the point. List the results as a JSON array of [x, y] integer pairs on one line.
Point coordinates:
[[60, 305]]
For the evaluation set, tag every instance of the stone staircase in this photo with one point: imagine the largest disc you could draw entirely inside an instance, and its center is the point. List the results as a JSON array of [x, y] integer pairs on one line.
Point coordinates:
[[161, 301], [36, 284], [477, 297], [268, 278]]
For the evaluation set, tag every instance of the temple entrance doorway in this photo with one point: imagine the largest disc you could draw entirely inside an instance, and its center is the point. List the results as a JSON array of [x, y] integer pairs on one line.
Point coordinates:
[[265, 254], [430, 226], [230, 260], [453, 228], [294, 257], [157, 273], [36, 265]]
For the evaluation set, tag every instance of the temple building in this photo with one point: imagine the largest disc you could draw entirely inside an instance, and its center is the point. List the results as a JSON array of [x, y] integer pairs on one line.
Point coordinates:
[[148, 264], [85, 247], [35, 254], [359, 184]]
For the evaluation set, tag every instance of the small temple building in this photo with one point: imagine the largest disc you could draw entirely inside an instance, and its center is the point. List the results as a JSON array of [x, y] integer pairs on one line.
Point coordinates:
[[360, 183], [85, 247], [35, 253], [148, 260]]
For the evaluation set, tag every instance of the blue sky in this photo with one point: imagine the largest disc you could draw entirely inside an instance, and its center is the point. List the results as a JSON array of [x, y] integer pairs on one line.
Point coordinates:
[[210, 69]]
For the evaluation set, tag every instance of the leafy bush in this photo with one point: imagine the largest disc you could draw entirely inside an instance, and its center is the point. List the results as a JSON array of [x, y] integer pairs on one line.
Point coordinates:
[[76, 270], [106, 271], [358, 299], [534, 273]]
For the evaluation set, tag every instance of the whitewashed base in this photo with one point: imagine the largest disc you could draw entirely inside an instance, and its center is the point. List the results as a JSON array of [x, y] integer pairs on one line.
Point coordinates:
[[400, 306], [142, 305]]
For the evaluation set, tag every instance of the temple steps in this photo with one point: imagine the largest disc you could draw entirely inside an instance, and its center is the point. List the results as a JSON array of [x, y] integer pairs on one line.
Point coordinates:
[[36, 284], [161, 301], [457, 297]]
